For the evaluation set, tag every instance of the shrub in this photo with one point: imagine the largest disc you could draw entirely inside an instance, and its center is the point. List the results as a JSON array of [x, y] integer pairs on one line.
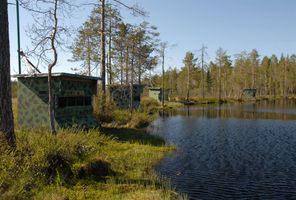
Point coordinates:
[[121, 117], [107, 116], [140, 120], [41, 159], [149, 105]]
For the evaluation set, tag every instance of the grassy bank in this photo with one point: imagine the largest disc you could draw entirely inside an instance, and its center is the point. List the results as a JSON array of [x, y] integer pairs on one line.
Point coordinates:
[[83, 166], [114, 117], [113, 163]]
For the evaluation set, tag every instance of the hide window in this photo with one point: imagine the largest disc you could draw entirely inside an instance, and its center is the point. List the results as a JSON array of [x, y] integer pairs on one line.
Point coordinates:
[[74, 101]]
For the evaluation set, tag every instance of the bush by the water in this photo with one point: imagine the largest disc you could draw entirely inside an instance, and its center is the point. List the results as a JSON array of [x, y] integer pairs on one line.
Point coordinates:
[[149, 105], [116, 117]]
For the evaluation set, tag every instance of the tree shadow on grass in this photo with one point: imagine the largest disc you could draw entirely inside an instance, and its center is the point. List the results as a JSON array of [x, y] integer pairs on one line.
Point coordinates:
[[134, 136]]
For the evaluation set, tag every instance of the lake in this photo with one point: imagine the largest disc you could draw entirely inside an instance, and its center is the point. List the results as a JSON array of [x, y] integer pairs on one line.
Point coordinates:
[[231, 151]]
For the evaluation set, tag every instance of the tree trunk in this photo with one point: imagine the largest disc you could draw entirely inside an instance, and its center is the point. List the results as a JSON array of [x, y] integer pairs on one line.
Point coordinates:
[[202, 72], [219, 89], [126, 65], [121, 67], [162, 94], [6, 114], [171, 85], [132, 83], [140, 67], [253, 76], [266, 82], [51, 103], [188, 83], [88, 56], [103, 52], [109, 51], [140, 75], [285, 78]]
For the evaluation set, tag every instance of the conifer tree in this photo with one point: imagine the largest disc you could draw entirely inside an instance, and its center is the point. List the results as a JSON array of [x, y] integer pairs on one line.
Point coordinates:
[[6, 115]]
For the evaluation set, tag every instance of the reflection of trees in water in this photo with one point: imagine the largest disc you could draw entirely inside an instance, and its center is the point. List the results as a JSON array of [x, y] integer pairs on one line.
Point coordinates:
[[230, 156], [260, 110]]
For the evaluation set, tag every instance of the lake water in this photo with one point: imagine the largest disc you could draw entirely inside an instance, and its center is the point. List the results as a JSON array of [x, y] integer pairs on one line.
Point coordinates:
[[232, 151]]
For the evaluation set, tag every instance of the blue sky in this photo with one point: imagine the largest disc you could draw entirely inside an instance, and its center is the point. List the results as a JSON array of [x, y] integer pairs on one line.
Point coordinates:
[[235, 25]]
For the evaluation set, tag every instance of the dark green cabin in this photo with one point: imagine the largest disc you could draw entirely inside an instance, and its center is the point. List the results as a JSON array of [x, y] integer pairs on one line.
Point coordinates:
[[73, 100]]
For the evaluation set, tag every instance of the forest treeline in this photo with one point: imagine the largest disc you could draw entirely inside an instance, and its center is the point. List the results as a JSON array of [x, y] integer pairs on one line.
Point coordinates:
[[133, 51], [271, 76]]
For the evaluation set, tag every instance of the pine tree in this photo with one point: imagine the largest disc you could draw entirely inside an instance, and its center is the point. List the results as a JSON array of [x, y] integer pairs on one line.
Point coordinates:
[[6, 115], [189, 62], [209, 82]]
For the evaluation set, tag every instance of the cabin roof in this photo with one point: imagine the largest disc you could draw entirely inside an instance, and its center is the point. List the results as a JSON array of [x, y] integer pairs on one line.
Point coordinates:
[[67, 75], [154, 88]]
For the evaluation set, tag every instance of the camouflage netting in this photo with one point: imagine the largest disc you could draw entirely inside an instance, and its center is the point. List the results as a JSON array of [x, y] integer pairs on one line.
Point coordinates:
[[120, 94], [249, 93], [72, 97]]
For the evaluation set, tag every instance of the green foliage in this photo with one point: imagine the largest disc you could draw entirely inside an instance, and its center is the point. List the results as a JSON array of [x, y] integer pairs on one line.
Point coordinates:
[[271, 76], [129, 46], [140, 120], [115, 117], [149, 105], [86, 46], [123, 118]]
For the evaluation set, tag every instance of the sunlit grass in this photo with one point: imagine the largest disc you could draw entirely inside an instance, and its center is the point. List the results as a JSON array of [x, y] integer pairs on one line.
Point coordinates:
[[114, 117], [48, 167]]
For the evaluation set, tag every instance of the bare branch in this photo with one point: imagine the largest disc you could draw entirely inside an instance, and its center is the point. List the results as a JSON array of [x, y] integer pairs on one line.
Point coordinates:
[[29, 62], [136, 9]]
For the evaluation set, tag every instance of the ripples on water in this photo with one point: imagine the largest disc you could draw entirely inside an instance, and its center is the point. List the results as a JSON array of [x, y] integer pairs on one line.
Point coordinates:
[[231, 152]]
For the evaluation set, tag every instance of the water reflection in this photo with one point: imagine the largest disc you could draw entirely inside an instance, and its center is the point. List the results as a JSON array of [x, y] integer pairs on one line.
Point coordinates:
[[231, 151], [260, 110]]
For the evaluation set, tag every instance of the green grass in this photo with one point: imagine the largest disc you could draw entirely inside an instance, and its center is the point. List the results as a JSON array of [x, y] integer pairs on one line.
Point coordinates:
[[95, 165], [108, 164], [120, 118], [138, 136], [174, 105], [277, 97], [114, 117], [149, 105]]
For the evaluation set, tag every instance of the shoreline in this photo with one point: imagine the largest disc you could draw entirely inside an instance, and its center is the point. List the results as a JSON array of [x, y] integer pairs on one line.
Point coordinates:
[[112, 163], [105, 165], [200, 101]]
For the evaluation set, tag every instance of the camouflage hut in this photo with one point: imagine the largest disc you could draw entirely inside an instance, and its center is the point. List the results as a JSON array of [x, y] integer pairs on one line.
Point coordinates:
[[120, 94], [156, 93], [249, 93], [73, 97]]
